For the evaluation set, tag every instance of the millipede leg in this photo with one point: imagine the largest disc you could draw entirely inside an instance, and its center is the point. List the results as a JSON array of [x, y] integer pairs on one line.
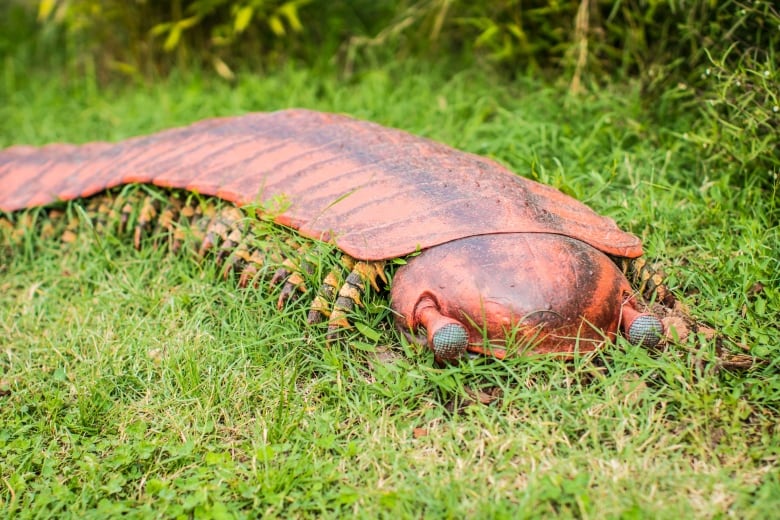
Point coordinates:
[[351, 292], [281, 273], [252, 255], [235, 259], [220, 227], [649, 280], [99, 212], [293, 272], [202, 218], [146, 218], [187, 215], [323, 300], [296, 282], [168, 220], [253, 262], [241, 246], [231, 242]]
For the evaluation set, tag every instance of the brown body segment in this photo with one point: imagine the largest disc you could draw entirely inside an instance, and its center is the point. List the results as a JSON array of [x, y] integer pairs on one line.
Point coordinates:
[[378, 192]]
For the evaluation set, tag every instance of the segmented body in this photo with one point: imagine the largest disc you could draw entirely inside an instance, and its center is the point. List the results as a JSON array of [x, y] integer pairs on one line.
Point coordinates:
[[379, 193], [499, 253]]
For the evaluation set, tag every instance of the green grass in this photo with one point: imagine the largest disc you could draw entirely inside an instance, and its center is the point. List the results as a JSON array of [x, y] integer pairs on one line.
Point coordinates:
[[139, 382]]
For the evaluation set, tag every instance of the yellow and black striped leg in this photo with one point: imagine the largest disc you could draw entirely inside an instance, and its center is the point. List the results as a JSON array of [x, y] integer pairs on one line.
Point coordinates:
[[322, 304], [252, 257], [323, 301], [281, 273], [293, 272], [252, 262], [202, 217], [295, 283], [351, 293], [649, 281], [168, 222], [146, 219], [220, 228], [183, 230], [229, 245], [236, 258]]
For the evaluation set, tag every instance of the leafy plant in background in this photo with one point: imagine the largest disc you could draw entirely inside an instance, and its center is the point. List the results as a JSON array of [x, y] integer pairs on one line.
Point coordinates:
[[231, 20], [526, 36], [141, 36], [716, 58], [737, 90]]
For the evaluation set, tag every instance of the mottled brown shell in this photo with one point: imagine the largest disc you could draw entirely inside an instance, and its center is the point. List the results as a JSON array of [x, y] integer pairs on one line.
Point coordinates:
[[377, 192]]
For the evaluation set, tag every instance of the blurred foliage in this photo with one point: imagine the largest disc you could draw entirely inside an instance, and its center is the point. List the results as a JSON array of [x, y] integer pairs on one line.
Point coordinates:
[[717, 57], [148, 38], [734, 83]]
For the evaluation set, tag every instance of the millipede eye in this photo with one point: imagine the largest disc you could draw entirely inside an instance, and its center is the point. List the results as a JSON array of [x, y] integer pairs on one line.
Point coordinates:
[[645, 331], [450, 341], [447, 337]]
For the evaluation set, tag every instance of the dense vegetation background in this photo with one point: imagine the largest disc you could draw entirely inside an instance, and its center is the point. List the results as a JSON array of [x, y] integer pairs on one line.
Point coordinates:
[[718, 58]]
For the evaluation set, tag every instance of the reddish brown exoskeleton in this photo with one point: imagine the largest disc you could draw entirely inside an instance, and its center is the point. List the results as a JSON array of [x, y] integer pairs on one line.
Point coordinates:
[[505, 262]]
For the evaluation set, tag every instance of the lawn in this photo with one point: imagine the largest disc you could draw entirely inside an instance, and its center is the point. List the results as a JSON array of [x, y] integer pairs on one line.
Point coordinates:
[[141, 383]]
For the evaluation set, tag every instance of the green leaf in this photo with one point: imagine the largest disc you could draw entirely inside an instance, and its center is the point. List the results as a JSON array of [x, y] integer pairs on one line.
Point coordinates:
[[275, 23], [362, 346], [186, 23], [760, 307], [173, 38], [155, 485], [368, 331], [114, 485], [160, 28], [265, 453], [486, 36], [45, 8], [219, 511], [243, 17], [290, 11]]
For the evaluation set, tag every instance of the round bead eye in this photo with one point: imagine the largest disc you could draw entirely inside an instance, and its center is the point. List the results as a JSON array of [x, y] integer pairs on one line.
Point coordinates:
[[450, 341], [447, 337], [645, 330]]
